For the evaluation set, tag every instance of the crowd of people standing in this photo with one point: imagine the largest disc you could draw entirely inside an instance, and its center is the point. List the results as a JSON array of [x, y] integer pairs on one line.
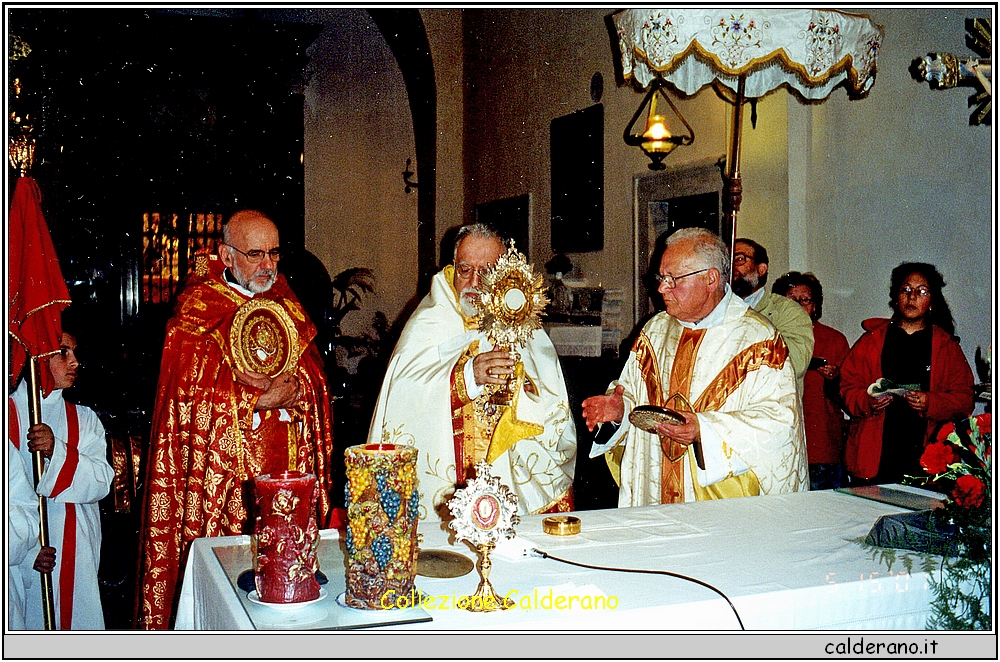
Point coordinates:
[[858, 434], [767, 398]]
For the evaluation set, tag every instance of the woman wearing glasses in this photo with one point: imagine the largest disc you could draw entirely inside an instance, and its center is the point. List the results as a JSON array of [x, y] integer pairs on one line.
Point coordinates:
[[930, 378], [821, 411]]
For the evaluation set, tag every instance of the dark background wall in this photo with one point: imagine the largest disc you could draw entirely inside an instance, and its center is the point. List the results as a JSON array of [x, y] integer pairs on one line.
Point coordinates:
[[137, 111]]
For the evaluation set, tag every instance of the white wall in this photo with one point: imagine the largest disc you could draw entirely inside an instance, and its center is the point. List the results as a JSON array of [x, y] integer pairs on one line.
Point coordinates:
[[901, 176], [849, 191], [897, 176], [523, 69], [358, 134]]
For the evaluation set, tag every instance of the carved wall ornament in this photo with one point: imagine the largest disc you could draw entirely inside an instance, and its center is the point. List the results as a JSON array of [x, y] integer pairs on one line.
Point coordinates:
[[943, 71]]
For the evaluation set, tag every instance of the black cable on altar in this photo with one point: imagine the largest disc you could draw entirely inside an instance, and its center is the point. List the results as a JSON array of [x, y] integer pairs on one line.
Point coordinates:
[[546, 555]]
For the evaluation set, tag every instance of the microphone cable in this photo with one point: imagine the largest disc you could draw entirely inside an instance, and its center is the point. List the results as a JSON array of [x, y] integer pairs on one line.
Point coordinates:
[[545, 555]]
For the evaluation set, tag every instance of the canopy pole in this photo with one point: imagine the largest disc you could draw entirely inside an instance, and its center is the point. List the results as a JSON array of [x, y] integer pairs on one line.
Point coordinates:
[[38, 465], [731, 178]]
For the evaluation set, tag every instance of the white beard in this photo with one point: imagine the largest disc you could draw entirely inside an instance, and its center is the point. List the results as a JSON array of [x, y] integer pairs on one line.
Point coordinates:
[[250, 284], [258, 289], [465, 304]]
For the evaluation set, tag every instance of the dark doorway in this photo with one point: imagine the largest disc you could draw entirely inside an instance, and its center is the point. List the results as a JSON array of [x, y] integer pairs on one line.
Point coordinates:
[[665, 202]]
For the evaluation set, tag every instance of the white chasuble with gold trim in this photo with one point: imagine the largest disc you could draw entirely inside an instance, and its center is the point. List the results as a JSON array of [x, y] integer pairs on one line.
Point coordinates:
[[423, 402], [743, 387]]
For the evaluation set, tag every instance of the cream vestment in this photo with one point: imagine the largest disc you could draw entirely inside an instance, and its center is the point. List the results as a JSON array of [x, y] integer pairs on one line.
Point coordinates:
[[424, 402], [733, 368]]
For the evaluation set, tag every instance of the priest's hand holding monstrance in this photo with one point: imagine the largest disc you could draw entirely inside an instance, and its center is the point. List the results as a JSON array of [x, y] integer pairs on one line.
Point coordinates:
[[511, 299]]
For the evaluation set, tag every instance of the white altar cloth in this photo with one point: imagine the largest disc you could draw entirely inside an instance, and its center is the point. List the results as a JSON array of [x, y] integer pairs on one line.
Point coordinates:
[[787, 562]]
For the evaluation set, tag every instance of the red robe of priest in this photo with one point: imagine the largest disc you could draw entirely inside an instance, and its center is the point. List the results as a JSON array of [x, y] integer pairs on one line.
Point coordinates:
[[207, 441]]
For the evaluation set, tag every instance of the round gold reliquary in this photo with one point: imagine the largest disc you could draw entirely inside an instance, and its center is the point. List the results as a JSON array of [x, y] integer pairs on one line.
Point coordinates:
[[263, 338]]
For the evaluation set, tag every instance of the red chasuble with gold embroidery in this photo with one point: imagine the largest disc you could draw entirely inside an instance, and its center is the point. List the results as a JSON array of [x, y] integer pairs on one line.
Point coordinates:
[[206, 442]]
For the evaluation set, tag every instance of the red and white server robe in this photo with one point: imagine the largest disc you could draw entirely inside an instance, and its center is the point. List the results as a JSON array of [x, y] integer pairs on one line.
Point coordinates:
[[74, 480]]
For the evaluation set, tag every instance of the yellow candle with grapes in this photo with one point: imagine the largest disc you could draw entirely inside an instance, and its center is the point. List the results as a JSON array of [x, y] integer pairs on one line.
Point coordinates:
[[382, 506]]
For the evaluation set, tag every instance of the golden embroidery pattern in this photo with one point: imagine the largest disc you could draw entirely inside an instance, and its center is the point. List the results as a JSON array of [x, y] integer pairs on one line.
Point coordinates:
[[263, 338]]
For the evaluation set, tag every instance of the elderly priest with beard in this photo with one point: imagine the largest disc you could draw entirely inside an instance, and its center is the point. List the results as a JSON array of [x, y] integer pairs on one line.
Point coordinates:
[[241, 393], [744, 436], [438, 372]]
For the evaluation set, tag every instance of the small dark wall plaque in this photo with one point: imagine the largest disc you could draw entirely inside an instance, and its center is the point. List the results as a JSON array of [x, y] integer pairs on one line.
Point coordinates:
[[577, 152], [689, 211]]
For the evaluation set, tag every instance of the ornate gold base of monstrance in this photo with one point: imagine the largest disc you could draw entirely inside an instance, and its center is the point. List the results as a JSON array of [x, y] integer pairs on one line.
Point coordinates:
[[485, 513]]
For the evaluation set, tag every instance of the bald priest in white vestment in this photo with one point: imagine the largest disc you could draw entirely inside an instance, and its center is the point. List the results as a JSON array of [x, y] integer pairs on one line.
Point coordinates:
[[730, 365], [438, 370]]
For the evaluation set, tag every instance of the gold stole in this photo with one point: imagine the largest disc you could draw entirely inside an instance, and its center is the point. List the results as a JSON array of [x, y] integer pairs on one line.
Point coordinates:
[[770, 353], [681, 374]]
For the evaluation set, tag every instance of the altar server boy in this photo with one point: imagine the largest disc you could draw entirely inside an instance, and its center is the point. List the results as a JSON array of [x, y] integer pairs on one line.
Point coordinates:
[[76, 476]]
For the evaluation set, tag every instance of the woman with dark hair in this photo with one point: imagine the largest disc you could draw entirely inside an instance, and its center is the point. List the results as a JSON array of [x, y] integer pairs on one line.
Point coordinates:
[[918, 353], [824, 419]]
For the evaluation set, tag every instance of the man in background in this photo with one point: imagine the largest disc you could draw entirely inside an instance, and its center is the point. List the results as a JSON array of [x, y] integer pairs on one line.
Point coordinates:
[[749, 277]]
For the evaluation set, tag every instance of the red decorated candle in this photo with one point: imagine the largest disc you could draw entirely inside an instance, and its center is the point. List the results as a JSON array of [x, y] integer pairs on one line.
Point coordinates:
[[286, 537]]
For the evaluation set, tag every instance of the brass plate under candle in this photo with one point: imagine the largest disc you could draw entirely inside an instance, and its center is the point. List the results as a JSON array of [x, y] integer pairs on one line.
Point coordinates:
[[561, 525], [442, 563]]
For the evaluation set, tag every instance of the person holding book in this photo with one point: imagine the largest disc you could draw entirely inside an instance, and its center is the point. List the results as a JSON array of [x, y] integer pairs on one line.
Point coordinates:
[[903, 379]]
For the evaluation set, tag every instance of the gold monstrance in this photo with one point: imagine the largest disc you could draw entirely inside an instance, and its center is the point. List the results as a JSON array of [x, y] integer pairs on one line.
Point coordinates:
[[511, 300], [485, 512]]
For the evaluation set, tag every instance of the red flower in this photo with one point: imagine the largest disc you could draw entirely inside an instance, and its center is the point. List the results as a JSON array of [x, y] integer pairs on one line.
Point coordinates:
[[937, 457], [985, 423], [969, 491], [945, 430]]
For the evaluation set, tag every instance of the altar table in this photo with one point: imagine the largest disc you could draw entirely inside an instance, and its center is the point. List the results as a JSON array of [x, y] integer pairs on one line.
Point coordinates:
[[787, 562]]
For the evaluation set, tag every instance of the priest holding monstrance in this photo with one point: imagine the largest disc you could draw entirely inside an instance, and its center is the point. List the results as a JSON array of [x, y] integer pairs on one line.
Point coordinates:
[[471, 380], [241, 393]]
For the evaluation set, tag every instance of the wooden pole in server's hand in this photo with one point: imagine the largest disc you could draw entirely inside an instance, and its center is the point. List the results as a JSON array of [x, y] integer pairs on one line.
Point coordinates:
[[38, 464]]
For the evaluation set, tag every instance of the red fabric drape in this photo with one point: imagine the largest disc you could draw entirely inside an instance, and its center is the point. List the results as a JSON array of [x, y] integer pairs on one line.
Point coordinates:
[[35, 284]]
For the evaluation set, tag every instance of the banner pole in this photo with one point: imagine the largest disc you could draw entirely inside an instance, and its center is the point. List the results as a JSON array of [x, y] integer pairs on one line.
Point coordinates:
[[38, 464]]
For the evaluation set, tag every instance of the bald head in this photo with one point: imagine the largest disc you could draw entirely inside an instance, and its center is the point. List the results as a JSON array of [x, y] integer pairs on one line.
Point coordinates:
[[242, 222], [250, 242]]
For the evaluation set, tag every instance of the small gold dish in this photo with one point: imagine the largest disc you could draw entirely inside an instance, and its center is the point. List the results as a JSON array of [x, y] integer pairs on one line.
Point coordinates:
[[442, 563], [646, 417], [561, 525]]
